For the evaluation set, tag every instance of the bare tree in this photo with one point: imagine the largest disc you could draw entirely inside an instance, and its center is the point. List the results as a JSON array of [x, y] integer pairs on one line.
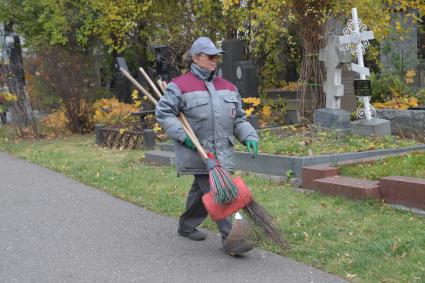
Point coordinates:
[[71, 75]]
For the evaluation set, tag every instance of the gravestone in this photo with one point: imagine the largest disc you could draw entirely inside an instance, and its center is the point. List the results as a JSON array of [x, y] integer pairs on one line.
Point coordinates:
[[165, 70], [334, 57], [290, 97], [245, 79], [348, 100], [234, 51], [243, 73], [121, 87]]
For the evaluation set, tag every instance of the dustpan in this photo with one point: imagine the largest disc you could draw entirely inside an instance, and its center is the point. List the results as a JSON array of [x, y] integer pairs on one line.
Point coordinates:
[[237, 241]]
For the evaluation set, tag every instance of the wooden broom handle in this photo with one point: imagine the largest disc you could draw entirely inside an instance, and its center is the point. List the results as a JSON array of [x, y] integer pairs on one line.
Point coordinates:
[[161, 85], [181, 117], [155, 89], [186, 126], [136, 83]]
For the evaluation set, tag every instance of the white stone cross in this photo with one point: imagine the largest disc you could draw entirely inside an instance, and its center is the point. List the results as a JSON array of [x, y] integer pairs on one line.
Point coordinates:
[[356, 39]]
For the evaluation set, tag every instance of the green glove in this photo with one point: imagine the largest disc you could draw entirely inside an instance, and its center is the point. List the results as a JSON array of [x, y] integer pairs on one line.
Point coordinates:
[[189, 144], [252, 146]]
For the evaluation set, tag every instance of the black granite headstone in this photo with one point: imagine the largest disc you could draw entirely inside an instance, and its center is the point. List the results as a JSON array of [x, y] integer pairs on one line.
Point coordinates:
[[234, 51], [246, 78]]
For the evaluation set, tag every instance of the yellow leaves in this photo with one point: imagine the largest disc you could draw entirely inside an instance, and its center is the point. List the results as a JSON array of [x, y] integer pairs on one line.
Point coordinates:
[[137, 104], [255, 101], [292, 86], [266, 111], [135, 94], [249, 111], [56, 122], [8, 97], [398, 26], [115, 20], [402, 103], [410, 74], [112, 112], [157, 128], [252, 102], [228, 4]]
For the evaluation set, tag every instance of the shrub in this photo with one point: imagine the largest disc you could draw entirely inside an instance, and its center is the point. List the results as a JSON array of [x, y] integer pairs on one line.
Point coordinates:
[[103, 111], [112, 112]]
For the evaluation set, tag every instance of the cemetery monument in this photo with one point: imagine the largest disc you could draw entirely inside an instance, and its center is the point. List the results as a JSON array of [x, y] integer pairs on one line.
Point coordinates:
[[356, 39], [337, 53]]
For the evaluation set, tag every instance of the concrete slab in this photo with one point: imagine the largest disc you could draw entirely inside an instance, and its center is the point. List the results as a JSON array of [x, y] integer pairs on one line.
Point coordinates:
[[332, 118], [371, 127], [160, 157]]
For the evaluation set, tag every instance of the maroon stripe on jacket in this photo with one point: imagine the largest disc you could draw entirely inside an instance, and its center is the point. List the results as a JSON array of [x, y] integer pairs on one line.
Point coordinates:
[[222, 84], [189, 82]]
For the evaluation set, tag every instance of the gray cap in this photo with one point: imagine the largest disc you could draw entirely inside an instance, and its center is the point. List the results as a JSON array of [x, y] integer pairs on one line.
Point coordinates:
[[204, 45]]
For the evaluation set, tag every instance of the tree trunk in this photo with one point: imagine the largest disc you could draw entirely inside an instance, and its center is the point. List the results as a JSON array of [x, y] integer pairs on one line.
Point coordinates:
[[21, 110], [310, 94]]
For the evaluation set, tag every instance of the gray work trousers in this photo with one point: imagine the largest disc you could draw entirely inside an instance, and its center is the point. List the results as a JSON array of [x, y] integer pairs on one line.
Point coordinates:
[[195, 211]]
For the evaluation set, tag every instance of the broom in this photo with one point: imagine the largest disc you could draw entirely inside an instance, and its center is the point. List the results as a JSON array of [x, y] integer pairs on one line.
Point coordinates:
[[227, 196], [257, 215]]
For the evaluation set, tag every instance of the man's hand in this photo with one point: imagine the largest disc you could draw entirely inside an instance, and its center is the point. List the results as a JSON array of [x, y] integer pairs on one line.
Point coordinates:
[[189, 144], [252, 146]]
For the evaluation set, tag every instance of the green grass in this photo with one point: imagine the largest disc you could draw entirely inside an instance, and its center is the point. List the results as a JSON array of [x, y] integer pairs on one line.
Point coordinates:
[[362, 241], [411, 164], [307, 141]]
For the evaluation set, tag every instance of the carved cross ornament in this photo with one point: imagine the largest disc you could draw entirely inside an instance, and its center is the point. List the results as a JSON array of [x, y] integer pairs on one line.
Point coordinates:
[[356, 39]]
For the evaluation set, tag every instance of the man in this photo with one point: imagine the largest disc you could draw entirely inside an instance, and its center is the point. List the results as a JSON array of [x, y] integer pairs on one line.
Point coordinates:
[[213, 108]]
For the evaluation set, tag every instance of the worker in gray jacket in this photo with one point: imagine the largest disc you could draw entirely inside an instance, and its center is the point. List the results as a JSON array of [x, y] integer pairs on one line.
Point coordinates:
[[213, 108]]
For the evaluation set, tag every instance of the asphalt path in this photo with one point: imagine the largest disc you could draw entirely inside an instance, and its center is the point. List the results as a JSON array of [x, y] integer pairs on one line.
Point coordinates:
[[55, 229]]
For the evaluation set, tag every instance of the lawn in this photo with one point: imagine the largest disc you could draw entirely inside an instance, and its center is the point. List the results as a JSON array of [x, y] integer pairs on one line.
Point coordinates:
[[365, 241], [291, 140], [410, 164]]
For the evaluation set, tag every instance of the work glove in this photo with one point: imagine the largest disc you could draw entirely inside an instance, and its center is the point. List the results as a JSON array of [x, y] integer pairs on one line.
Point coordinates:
[[252, 147], [189, 144]]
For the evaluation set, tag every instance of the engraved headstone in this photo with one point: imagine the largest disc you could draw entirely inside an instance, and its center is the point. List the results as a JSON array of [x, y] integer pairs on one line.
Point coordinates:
[[246, 78], [234, 51], [349, 100]]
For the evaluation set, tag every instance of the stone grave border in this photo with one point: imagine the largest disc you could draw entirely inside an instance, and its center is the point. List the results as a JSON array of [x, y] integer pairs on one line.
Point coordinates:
[[407, 193], [279, 165]]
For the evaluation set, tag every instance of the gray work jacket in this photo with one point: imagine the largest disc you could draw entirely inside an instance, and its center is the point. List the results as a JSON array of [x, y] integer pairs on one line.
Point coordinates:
[[213, 108]]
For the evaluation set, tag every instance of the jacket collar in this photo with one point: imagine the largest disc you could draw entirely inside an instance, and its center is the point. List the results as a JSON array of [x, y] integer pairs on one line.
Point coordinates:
[[202, 73]]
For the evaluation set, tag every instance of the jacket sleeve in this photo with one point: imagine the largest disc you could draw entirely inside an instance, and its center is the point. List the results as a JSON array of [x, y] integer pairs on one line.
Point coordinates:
[[243, 131], [167, 110]]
